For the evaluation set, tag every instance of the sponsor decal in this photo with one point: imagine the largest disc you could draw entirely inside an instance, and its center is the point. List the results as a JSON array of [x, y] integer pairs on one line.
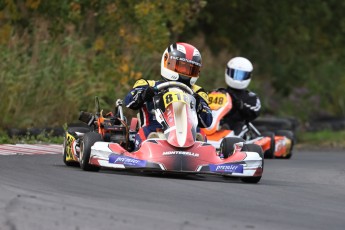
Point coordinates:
[[185, 60], [127, 161], [181, 48], [169, 153], [196, 52], [282, 145], [173, 77], [226, 168]]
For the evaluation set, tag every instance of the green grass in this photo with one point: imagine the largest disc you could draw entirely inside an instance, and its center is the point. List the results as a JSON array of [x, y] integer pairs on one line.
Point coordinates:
[[325, 138], [46, 138]]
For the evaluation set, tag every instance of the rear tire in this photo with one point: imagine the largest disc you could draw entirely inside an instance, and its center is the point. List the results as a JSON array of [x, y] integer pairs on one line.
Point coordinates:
[[257, 149], [227, 146], [289, 134], [88, 141], [269, 154], [72, 131]]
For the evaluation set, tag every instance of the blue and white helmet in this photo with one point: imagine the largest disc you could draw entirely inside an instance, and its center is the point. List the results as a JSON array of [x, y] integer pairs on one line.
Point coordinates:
[[238, 73]]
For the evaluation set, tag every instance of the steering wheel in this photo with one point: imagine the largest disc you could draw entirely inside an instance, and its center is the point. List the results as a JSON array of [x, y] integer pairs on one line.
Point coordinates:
[[174, 84]]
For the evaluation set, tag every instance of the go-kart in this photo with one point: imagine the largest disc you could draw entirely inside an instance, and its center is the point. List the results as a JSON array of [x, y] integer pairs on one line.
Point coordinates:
[[277, 144], [179, 148], [111, 127]]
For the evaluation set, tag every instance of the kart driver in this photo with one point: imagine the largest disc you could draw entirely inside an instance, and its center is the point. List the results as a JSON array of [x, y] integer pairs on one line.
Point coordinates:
[[180, 62], [245, 104]]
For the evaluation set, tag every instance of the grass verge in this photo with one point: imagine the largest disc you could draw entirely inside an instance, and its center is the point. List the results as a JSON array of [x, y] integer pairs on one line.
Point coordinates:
[[323, 139]]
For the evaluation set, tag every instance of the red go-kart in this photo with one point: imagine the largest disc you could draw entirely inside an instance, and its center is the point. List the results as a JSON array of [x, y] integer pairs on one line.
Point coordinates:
[[179, 148]]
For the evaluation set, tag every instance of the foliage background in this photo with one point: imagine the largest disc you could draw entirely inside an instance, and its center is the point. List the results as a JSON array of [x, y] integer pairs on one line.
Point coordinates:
[[55, 56]]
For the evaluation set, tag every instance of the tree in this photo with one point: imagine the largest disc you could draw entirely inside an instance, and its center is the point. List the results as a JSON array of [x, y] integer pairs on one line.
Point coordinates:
[[296, 46]]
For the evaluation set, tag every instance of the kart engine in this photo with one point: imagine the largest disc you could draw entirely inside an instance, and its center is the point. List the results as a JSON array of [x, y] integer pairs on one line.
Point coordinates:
[[114, 131]]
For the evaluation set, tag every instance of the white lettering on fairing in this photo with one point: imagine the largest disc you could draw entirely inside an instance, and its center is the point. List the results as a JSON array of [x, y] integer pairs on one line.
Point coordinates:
[[181, 153]]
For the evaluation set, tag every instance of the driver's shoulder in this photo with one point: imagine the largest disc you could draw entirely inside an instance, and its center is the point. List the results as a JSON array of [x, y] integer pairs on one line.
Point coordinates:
[[143, 82], [200, 91], [197, 88]]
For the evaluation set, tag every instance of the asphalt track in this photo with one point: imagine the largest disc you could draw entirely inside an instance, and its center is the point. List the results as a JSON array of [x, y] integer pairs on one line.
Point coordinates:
[[40, 192]]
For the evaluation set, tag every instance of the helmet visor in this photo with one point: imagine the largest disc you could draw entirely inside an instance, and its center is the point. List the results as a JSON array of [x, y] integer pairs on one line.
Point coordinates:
[[238, 75], [190, 68]]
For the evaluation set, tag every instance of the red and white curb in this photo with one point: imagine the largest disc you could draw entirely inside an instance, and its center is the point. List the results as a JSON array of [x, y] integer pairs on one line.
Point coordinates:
[[30, 149]]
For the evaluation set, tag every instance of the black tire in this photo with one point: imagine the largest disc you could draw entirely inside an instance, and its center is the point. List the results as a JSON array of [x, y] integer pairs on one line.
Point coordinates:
[[275, 123], [289, 134], [227, 146], [257, 149], [87, 142], [79, 129], [72, 131], [269, 154]]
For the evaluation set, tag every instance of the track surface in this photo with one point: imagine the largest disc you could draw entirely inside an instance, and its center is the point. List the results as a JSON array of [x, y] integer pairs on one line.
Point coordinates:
[[39, 192]]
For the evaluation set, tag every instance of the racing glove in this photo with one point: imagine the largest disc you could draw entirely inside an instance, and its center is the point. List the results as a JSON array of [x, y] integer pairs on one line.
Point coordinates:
[[148, 94], [203, 111]]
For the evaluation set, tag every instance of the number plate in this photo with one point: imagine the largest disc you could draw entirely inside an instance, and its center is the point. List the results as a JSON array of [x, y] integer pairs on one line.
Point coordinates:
[[171, 97], [216, 100]]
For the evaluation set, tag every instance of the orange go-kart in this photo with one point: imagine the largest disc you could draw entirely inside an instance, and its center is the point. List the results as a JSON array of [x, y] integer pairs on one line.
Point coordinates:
[[111, 127], [278, 144]]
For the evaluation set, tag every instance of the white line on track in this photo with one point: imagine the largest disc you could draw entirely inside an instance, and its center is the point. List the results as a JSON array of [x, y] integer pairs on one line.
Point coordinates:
[[30, 149]]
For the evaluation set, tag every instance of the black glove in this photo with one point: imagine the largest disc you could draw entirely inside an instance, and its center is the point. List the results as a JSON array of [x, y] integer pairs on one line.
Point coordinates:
[[148, 94]]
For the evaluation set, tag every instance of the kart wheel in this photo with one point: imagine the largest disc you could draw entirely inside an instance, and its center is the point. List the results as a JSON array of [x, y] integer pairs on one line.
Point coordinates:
[[85, 149], [289, 134], [253, 148], [73, 131], [269, 154], [68, 163], [227, 146], [257, 149]]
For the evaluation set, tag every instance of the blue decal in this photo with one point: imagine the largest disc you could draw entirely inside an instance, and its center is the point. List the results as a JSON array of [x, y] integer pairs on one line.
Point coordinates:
[[127, 161], [226, 168]]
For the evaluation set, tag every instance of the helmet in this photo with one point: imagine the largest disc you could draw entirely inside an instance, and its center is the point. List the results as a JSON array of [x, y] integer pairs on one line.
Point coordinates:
[[238, 73], [181, 62]]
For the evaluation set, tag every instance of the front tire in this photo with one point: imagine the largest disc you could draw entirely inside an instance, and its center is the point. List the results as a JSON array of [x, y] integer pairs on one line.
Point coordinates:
[[88, 141], [257, 149], [227, 146]]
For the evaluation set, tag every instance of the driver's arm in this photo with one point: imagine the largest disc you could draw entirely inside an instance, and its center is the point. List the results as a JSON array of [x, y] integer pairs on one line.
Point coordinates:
[[135, 98], [203, 110]]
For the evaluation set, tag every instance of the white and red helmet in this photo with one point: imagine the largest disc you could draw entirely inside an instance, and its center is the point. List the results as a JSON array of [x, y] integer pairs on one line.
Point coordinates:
[[238, 73], [181, 62]]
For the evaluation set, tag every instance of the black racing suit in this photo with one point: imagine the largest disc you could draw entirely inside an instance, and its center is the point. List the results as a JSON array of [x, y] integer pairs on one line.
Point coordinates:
[[246, 107]]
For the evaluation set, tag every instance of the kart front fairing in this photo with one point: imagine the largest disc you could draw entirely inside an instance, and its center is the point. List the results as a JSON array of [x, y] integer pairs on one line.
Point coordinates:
[[178, 118], [159, 155]]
